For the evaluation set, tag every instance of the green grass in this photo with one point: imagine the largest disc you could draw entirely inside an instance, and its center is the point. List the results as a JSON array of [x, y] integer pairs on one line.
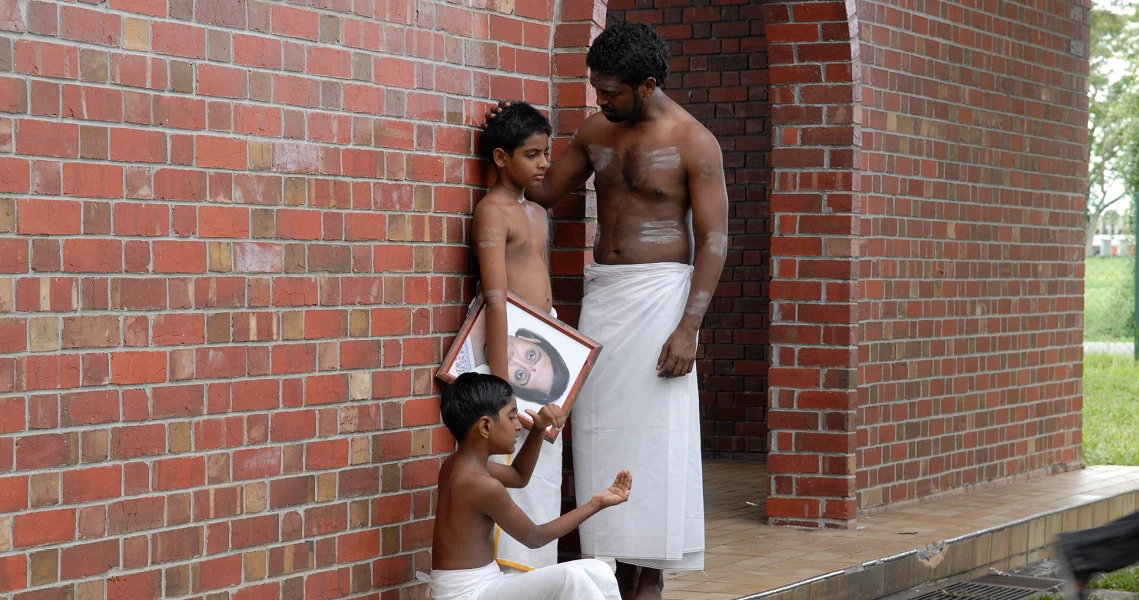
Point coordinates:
[[1109, 299], [1111, 410], [1126, 580]]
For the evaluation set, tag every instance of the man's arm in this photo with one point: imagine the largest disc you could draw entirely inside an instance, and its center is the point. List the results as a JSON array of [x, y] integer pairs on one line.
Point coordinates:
[[497, 505], [708, 192], [565, 175]]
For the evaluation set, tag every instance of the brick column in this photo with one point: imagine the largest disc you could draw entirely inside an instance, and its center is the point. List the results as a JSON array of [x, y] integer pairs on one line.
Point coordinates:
[[577, 23], [815, 205]]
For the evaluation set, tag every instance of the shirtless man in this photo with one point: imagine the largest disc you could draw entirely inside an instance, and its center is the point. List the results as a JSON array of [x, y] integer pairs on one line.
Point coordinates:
[[645, 299]]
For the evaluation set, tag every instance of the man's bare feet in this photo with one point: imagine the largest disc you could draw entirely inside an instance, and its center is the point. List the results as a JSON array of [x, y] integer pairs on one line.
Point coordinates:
[[650, 585], [627, 577]]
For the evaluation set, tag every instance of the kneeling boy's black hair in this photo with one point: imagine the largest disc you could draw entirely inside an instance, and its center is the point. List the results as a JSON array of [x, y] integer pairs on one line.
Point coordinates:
[[510, 128], [471, 397]]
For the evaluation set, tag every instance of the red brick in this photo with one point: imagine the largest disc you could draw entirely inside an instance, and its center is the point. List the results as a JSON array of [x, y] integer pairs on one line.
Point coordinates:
[[50, 217], [47, 450], [256, 463], [137, 441], [43, 527], [138, 367], [90, 26], [93, 180], [177, 544], [86, 255], [179, 473], [90, 408], [47, 138], [13, 493], [293, 426], [179, 257], [217, 573], [178, 39], [86, 560], [328, 584], [13, 572], [135, 514], [135, 586], [254, 531]]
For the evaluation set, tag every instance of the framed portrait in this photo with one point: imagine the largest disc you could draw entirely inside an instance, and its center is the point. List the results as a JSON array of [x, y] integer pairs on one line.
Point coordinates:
[[551, 359]]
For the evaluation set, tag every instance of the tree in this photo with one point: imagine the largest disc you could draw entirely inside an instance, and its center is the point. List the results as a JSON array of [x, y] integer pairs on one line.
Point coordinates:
[[1113, 111]]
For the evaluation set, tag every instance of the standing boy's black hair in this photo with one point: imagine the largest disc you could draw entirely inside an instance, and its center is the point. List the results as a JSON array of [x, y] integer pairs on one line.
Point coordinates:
[[632, 52], [471, 397], [510, 128]]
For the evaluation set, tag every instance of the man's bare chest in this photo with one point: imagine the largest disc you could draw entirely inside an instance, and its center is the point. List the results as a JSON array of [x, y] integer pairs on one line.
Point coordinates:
[[645, 169]]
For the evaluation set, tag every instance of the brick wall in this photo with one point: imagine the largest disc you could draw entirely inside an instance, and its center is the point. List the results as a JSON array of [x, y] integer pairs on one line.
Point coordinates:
[[971, 280], [232, 239], [719, 74]]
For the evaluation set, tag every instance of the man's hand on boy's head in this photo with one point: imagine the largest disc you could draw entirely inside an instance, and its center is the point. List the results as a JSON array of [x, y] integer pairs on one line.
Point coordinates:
[[618, 492], [494, 111], [551, 415]]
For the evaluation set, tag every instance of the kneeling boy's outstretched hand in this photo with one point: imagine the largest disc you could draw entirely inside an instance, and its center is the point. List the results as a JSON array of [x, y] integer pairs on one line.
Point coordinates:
[[618, 492]]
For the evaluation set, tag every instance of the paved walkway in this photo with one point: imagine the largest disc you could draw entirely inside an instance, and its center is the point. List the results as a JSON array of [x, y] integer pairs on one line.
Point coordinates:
[[746, 557]]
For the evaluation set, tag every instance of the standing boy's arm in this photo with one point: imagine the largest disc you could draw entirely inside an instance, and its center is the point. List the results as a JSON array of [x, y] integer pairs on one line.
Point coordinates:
[[489, 235], [496, 504], [517, 473]]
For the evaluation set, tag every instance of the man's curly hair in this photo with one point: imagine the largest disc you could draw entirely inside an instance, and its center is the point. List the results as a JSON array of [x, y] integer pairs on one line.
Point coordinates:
[[633, 52]]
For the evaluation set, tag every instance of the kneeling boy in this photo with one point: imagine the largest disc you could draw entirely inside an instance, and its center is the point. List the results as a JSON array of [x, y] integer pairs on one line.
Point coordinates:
[[481, 412]]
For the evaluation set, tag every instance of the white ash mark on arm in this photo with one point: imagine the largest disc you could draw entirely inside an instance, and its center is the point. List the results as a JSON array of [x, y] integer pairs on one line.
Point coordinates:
[[717, 243], [698, 305]]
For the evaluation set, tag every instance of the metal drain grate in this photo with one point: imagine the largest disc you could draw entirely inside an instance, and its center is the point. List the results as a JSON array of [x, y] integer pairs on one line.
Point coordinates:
[[979, 591], [1039, 584]]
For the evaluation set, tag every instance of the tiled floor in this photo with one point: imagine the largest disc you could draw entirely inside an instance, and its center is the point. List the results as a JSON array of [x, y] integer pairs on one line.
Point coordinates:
[[744, 556]]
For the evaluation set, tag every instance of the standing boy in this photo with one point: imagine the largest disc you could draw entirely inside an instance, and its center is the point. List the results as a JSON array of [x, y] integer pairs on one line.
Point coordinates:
[[510, 236], [482, 414]]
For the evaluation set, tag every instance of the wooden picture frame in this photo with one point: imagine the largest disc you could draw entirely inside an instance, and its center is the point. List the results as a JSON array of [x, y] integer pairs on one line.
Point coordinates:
[[556, 341]]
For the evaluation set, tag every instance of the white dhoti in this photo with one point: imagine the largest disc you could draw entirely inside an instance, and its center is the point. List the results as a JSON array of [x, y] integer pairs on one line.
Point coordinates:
[[541, 500], [627, 417], [577, 580]]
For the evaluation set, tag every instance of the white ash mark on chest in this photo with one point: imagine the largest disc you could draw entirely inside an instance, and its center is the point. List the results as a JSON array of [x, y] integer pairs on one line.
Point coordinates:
[[600, 156], [661, 232], [664, 159]]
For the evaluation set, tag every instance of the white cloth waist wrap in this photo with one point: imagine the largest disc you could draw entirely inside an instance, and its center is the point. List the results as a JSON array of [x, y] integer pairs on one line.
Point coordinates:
[[627, 417], [541, 500], [461, 584]]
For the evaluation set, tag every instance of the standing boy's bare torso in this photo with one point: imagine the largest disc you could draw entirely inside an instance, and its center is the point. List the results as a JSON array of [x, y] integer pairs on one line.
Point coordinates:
[[526, 230]]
